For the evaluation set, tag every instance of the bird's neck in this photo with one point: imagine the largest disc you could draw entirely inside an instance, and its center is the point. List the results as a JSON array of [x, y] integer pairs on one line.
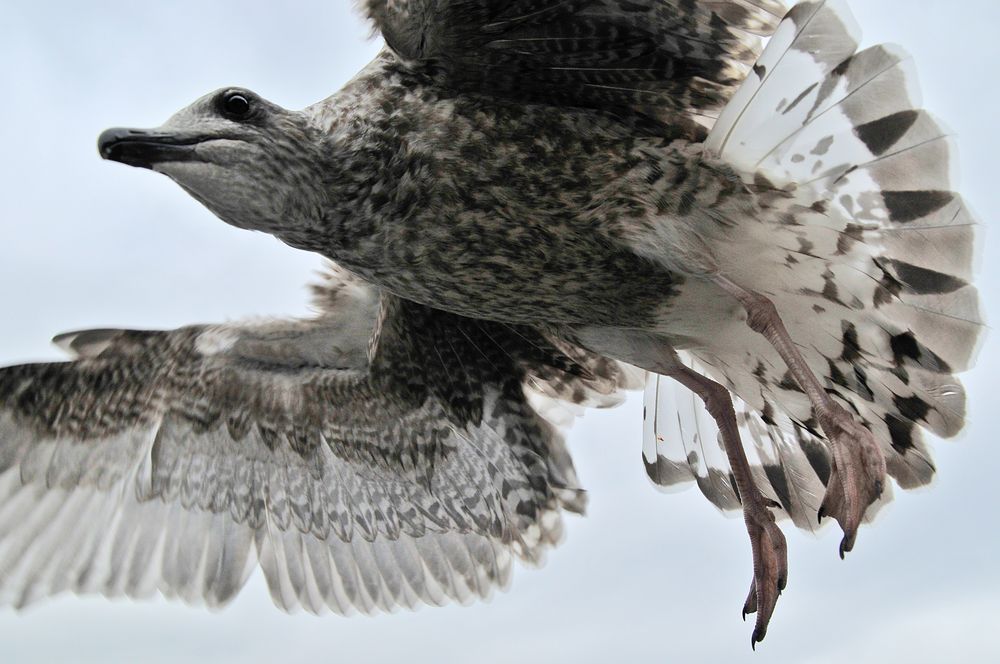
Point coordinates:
[[370, 176]]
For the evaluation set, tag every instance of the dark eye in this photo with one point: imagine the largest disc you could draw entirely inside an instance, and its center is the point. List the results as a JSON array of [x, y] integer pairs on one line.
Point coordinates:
[[236, 105]]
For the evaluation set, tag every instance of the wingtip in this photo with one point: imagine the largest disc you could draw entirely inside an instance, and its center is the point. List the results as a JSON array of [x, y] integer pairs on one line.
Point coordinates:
[[85, 343], [64, 342]]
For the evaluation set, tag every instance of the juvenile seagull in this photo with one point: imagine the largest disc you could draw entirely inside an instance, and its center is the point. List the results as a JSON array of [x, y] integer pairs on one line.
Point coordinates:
[[359, 479], [557, 165]]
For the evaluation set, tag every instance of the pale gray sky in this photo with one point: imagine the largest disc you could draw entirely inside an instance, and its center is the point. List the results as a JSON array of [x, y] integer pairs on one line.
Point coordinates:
[[662, 577]]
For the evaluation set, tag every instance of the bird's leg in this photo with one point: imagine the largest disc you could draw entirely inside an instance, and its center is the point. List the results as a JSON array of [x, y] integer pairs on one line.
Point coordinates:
[[858, 470], [770, 557]]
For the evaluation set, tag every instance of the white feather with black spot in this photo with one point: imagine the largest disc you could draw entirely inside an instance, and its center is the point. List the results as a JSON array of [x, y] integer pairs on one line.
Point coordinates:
[[849, 175]]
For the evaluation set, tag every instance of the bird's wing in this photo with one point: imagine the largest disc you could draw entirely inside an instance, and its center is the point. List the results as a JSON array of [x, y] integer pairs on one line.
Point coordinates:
[[664, 59], [358, 478], [561, 379]]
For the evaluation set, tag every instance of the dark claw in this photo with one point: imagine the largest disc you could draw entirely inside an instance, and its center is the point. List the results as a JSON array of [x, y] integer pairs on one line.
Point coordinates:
[[758, 636], [847, 543], [820, 515], [750, 606]]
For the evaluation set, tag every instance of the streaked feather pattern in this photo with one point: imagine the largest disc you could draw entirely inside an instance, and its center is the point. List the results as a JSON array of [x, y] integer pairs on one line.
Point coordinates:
[[665, 59], [359, 479]]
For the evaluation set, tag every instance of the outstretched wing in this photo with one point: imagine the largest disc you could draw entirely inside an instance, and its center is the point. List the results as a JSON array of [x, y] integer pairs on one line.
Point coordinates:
[[664, 59], [179, 461]]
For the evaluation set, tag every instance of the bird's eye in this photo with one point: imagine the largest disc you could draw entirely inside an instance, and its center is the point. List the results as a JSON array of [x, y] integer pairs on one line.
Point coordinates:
[[236, 105]]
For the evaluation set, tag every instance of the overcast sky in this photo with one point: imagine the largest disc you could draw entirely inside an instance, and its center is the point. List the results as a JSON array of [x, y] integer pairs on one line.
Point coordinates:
[[88, 243]]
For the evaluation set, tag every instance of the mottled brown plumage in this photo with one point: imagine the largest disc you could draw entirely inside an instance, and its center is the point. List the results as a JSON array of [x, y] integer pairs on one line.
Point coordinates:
[[637, 179], [356, 483]]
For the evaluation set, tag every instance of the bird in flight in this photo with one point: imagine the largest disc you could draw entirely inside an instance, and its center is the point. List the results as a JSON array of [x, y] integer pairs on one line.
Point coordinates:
[[772, 230]]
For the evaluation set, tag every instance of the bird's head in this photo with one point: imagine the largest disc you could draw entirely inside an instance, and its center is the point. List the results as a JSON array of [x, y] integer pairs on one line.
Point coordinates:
[[251, 162]]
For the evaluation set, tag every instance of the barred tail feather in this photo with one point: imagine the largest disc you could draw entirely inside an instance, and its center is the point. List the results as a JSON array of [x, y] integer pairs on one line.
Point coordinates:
[[681, 445], [861, 243]]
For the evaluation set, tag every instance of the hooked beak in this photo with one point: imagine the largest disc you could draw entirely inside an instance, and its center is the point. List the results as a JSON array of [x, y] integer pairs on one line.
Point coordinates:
[[146, 148]]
